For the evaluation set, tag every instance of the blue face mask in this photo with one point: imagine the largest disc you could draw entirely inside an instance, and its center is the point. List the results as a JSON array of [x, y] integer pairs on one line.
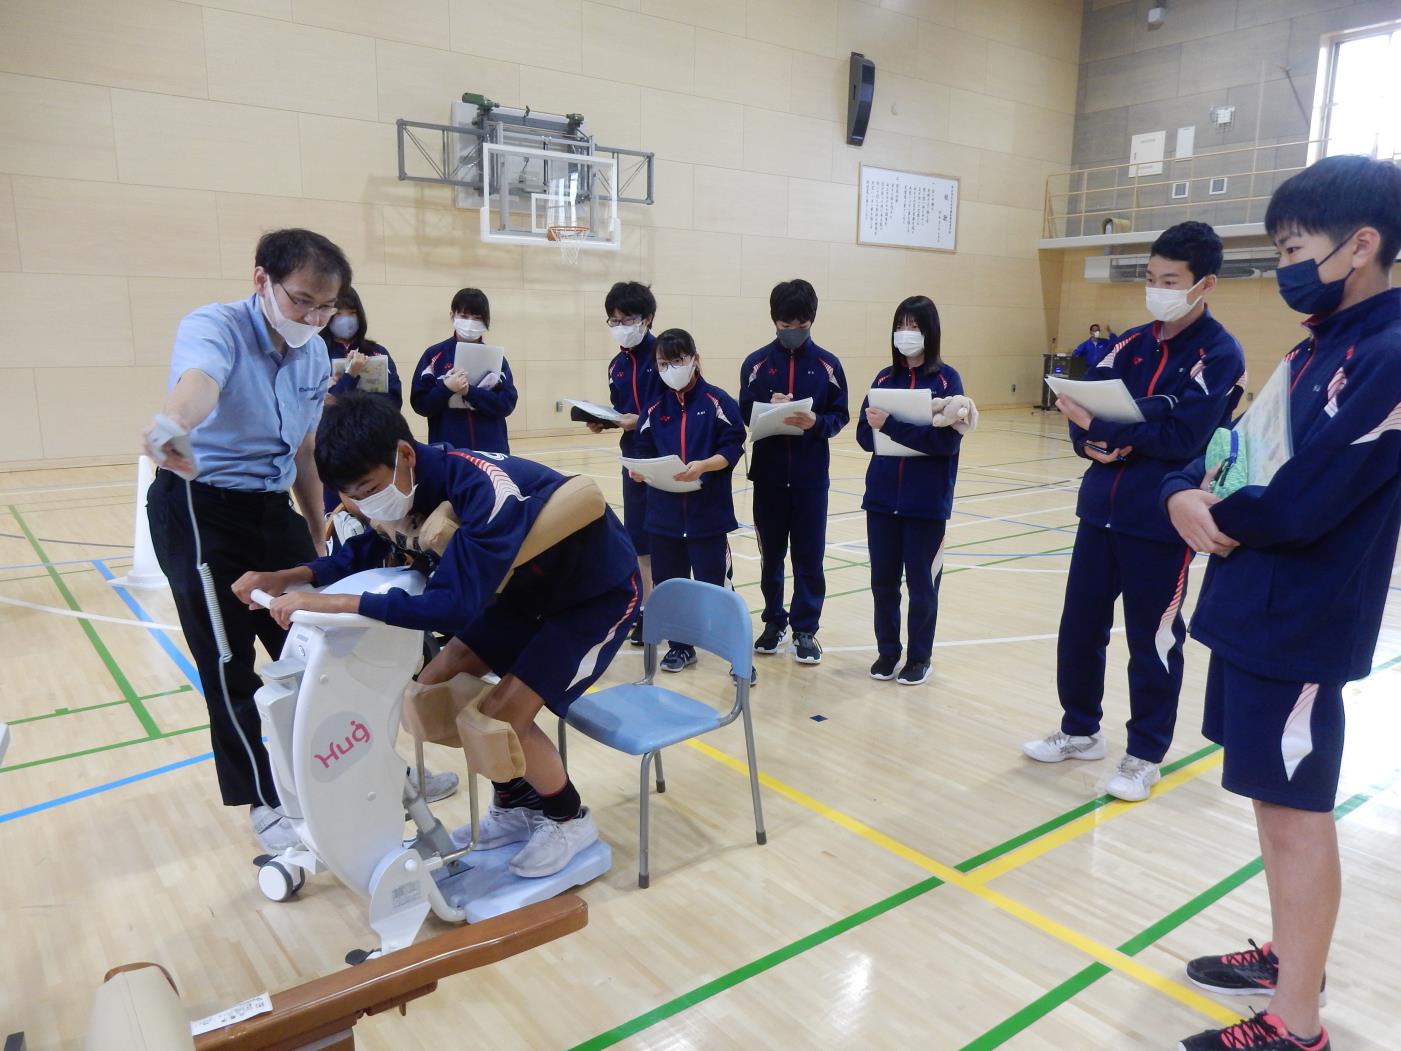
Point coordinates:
[[1303, 290]]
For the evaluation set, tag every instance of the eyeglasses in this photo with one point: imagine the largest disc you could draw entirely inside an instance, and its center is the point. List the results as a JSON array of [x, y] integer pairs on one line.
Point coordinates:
[[679, 363], [614, 322], [307, 306]]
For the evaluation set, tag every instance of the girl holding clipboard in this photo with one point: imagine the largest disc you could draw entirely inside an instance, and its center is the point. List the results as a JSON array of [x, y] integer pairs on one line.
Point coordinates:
[[460, 413]]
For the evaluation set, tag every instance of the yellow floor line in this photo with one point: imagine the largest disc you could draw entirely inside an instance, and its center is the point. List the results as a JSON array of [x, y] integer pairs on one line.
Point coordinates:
[[1104, 954], [1049, 842]]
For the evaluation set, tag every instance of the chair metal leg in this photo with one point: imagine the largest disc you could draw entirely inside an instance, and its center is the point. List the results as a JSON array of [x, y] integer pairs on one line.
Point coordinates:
[[563, 753], [760, 835], [643, 875], [418, 765], [661, 778]]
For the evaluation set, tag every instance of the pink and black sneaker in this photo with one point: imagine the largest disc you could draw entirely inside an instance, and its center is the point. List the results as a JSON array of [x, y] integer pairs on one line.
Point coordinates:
[[1261, 1032], [1247, 973]]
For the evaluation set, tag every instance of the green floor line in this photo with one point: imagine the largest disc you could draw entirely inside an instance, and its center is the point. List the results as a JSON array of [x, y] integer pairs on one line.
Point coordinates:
[[100, 748], [57, 712], [118, 676], [1078, 983], [787, 952]]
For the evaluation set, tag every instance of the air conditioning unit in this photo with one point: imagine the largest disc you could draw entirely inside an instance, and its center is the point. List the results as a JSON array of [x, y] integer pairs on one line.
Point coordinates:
[[1133, 269]]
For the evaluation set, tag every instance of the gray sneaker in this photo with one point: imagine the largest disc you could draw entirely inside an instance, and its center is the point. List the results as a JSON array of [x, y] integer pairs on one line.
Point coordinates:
[[273, 830], [1058, 747], [438, 786]]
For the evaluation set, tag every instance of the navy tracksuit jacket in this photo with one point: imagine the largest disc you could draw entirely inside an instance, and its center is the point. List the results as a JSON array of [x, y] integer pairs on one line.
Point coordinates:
[[1186, 388], [497, 498], [791, 475], [1302, 598], [339, 349], [481, 427], [633, 384], [687, 530], [908, 501]]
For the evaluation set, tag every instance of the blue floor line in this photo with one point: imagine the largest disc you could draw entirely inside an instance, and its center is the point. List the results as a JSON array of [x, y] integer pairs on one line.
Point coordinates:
[[99, 789], [172, 650]]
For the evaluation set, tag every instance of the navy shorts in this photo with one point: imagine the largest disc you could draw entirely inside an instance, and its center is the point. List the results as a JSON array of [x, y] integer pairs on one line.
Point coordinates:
[[635, 514], [561, 655], [1283, 740]]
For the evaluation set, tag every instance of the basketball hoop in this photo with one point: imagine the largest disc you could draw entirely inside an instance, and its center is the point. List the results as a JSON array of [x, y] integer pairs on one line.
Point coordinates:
[[570, 238]]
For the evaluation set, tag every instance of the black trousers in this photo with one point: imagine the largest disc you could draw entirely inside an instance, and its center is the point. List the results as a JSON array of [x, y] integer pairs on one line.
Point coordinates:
[[239, 531]]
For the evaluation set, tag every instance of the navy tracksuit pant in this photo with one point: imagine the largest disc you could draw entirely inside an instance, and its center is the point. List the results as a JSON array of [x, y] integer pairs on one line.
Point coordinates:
[[702, 558], [784, 515], [916, 546], [1152, 577]]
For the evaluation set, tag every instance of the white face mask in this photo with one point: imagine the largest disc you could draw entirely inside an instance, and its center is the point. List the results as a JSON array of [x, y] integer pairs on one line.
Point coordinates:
[[678, 377], [1094, 334], [389, 504], [344, 326], [627, 336], [294, 333], [909, 342], [1169, 304], [468, 329]]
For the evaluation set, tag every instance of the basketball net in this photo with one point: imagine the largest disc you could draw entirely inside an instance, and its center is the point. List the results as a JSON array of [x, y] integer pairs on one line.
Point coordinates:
[[570, 240]]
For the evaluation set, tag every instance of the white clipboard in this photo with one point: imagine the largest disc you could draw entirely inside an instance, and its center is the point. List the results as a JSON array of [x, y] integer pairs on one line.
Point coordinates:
[[601, 413], [660, 473], [477, 360], [373, 380], [1103, 399], [907, 406], [766, 419]]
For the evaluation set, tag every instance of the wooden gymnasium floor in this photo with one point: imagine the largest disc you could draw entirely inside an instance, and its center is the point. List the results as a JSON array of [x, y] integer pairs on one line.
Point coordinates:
[[923, 884]]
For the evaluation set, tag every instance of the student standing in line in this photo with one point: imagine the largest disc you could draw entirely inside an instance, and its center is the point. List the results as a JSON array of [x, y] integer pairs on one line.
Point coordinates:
[[908, 499], [1297, 585], [791, 474], [1183, 368], [480, 423], [633, 384], [699, 423]]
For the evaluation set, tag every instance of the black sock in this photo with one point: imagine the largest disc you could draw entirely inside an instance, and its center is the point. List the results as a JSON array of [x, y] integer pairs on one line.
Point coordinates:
[[516, 793], [564, 805]]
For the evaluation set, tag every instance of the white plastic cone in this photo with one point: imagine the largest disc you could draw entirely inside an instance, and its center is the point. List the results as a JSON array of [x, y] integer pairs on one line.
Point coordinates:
[[145, 572]]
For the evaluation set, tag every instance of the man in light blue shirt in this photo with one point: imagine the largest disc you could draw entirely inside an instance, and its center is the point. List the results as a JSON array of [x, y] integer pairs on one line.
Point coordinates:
[[247, 383]]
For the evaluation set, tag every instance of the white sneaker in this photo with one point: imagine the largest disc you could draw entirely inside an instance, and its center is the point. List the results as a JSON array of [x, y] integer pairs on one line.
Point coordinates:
[[438, 786], [273, 830], [500, 826], [554, 844], [1060, 746], [1134, 780]]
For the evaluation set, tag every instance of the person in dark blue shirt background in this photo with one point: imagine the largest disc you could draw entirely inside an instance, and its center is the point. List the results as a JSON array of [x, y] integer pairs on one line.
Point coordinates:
[[791, 474], [700, 423], [481, 422], [1094, 348], [908, 499], [1292, 603], [347, 340]]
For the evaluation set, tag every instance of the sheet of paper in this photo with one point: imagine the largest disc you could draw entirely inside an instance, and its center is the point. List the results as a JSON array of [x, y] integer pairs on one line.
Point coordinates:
[[1104, 399], [907, 406], [660, 473], [259, 1005], [373, 380], [475, 359], [1264, 427], [602, 413], [766, 418]]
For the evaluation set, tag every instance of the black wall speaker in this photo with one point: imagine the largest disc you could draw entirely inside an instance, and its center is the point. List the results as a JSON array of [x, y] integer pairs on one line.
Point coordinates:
[[858, 101]]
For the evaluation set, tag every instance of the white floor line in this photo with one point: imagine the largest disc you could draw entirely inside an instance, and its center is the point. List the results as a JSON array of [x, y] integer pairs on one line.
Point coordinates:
[[1004, 518], [65, 488], [961, 642], [79, 615]]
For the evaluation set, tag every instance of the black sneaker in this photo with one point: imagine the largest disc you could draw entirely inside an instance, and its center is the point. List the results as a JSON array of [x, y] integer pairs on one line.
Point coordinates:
[[913, 673], [1247, 973], [678, 658], [635, 636], [771, 639], [805, 648], [753, 676], [1261, 1032], [884, 668]]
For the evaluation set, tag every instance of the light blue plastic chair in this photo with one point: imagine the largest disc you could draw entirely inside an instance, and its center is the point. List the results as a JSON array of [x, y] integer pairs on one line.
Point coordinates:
[[642, 718]]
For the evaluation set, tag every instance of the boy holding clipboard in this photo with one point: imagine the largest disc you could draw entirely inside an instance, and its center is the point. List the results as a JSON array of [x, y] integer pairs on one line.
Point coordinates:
[[1182, 369]]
